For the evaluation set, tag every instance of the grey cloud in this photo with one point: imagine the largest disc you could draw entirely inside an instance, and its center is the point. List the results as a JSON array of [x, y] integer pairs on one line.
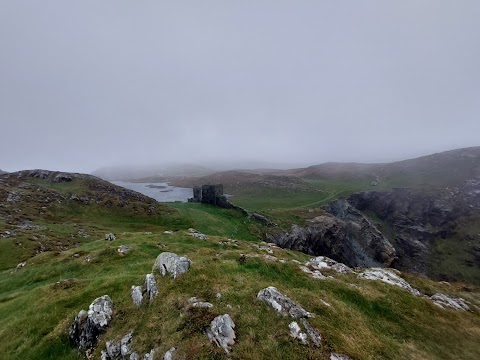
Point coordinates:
[[88, 84]]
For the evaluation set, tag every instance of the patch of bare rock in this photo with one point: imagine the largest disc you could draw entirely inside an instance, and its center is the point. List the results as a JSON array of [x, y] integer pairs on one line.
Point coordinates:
[[283, 305]]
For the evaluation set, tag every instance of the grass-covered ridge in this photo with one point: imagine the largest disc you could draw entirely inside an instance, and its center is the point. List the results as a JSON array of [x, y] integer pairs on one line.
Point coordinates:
[[365, 320]]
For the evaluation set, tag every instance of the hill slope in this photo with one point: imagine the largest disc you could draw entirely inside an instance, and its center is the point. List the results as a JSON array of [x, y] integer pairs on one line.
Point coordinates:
[[45, 210], [71, 213]]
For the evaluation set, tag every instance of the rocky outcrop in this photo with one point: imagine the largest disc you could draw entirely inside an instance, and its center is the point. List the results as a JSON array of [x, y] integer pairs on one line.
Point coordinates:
[[362, 233], [221, 332], [296, 333], [169, 354], [325, 263], [150, 355], [353, 241], [168, 263], [446, 301], [198, 303], [150, 287], [282, 303], [87, 326], [262, 219], [137, 295], [124, 249], [336, 356], [119, 350], [417, 218], [110, 237], [388, 277]]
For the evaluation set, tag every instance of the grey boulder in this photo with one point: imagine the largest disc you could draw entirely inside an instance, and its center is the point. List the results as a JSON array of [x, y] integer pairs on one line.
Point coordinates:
[[137, 295], [168, 263], [282, 303], [221, 332], [169, 354], [110, 237], [87, 326], [151, 287], [446, 301], [296, 333], [388, 277]]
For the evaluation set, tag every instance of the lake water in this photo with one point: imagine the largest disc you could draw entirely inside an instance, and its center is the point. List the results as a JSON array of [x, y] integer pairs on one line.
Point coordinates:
[[162, 192]]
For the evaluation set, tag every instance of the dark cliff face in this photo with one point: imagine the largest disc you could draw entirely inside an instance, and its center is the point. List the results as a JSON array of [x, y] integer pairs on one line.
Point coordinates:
[[416, 219], [350, 238], [427, 231]]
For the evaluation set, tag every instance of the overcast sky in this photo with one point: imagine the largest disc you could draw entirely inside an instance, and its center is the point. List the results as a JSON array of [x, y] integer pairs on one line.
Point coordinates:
[[86, 84]]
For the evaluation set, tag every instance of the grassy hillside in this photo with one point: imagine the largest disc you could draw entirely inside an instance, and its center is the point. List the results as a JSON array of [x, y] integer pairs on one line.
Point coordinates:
[[365, 319], [361, 318]]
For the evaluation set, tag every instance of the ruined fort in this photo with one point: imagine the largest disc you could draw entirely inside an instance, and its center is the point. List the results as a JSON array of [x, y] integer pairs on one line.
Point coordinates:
[[210, 194]]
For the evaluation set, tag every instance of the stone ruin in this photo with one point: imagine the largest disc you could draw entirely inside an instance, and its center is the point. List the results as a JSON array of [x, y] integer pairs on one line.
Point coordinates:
[[210, 194]]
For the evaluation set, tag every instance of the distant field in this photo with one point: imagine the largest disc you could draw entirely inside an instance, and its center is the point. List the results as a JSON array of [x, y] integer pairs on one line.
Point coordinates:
[[314, 193]]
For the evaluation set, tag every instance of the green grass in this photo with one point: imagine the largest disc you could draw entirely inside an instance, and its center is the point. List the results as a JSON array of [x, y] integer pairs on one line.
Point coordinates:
[[375, 321]]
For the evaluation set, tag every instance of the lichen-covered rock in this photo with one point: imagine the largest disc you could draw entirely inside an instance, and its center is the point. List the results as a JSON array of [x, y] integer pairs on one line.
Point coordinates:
[[169, 354], [282, 303], [296, 333], [124, 249], [313, 334], [325, 263], [112, 350], [172, 264], [110, 237], [198, 303], [336, 356], [150, 355], [137, 295], [151, 287], [388, 277], [446, 301], [125, 344], [316, 274], [134, 356], [87, 326], [199, 236], [221, 332]]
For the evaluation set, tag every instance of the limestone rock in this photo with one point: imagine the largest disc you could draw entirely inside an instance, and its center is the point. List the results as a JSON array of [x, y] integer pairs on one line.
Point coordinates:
[[313, 334], [297, 333], [112, 350], [282, 303], [137, 295], [117, 350], [134, 356], [150, 355], [199, 236], [336, 356], [446, 301], [125, 344], [170, 263], [100, 311], [389, 277], [198, 303], [151, 287], [169, 354], [110, 237], [221, 332], [87, 326], [323, 262], [124, 249], [314, 273]]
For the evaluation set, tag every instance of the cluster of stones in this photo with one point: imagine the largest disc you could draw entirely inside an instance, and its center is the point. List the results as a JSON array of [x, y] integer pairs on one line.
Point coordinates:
[[89, 325], [315, 265]]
